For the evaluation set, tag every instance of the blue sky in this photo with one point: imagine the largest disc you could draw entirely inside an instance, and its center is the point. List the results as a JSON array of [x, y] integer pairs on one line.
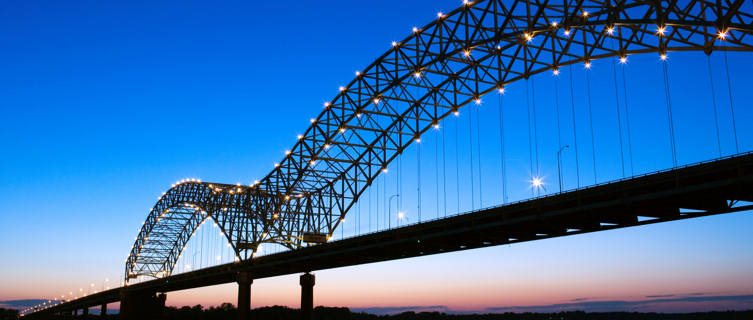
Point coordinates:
[[104, 105]]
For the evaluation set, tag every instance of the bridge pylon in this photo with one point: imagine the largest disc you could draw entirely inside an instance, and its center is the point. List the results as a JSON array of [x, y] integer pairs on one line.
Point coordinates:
[[141, 305]]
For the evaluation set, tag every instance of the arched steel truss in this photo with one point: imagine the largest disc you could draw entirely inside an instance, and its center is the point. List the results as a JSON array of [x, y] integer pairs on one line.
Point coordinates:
[[455, 59]]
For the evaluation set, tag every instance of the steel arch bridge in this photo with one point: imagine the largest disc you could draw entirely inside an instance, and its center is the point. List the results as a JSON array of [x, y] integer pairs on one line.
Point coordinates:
[[454, 60]]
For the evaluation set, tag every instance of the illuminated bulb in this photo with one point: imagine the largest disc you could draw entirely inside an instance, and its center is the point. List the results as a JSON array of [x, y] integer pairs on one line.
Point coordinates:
[[326, 104], [623, 60], [326, 146], [436, 126], [418, 140], [588, 64], [610, 30], [274, 216], [394, 44], [554, 24], [376, 100], [456, 113], [342, 130], [556, 72], [417, 74], [287, 152], [722, 35], [585, 13], [287, 197], [299, 136], [501, 90], [312, 162], [663, 56], [465, 2], [358, 115], [440, 15], [528, 36], [467, 53], [358, 73], [537, 182], [312, 120], [342, 219], [567, 32], [342, 88], [660, 30], [415, 29], [277, 165], [478, 100], [400, 215], [384, 170]]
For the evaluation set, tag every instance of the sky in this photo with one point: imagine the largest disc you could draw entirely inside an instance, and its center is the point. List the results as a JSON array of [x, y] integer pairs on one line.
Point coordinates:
[[103, 105]]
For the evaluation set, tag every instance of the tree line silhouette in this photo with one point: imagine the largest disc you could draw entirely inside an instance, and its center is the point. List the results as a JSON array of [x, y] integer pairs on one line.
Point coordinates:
[[227, 311]]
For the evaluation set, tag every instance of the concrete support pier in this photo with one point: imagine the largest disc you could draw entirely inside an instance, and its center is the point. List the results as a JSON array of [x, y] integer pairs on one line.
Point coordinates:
[[85, 312], [141, 305], [244, 295], [307, 295], [103, 310]]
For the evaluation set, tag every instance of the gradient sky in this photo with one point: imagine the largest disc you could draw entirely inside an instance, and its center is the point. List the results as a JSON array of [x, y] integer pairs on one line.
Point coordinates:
[[104, 104]]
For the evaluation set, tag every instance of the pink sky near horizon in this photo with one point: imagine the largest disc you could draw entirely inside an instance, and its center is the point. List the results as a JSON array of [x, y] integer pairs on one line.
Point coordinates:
[[527, 274]]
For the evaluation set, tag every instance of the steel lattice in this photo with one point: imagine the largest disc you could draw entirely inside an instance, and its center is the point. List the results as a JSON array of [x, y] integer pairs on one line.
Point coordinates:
[[460, 56]]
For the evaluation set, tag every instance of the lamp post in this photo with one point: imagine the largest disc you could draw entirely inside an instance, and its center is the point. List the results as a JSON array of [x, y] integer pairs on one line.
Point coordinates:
[[559, 164], [389, 210]]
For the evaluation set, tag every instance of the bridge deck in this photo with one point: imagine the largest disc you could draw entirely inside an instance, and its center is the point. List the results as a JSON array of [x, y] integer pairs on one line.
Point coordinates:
[[692, 191]]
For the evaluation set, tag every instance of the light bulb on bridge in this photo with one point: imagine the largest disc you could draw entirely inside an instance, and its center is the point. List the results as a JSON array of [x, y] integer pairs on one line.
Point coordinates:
[[566, 32], [501, 90], [588, 64], [623, 60], [663, 57], [556, 72], [537, 182], [401, 215], [660, 30], [722, 35]]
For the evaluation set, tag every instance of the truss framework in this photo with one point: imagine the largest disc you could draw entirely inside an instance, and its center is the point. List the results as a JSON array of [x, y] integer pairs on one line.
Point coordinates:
[[457, 58]]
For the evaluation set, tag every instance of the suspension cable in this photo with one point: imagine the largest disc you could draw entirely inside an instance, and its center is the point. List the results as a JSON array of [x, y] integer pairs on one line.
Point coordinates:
[[530, 144], [575, 131], [670, 121], [457, 160], [713, 102], [619, 116], [470, 147], [559, 127], [436, 166], [377, 203], [418, 174], [444, 173], [731, 106], [591, 120], [627, 120], [535, 130], [502, 146], [478, 148], [369, 224]]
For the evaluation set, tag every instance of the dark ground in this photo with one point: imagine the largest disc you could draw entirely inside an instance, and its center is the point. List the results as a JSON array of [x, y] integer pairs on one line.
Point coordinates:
[[228, 312]]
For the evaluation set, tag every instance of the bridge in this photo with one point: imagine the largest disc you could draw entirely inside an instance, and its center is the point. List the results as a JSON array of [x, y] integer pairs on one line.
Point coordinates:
[[479, 48]]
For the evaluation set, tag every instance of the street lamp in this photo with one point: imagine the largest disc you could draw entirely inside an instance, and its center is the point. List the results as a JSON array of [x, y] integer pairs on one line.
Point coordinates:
[[389, 210], [559, 164]]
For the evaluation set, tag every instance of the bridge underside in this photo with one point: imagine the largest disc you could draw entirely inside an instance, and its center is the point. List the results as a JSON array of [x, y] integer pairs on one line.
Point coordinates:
[[717, 187]]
